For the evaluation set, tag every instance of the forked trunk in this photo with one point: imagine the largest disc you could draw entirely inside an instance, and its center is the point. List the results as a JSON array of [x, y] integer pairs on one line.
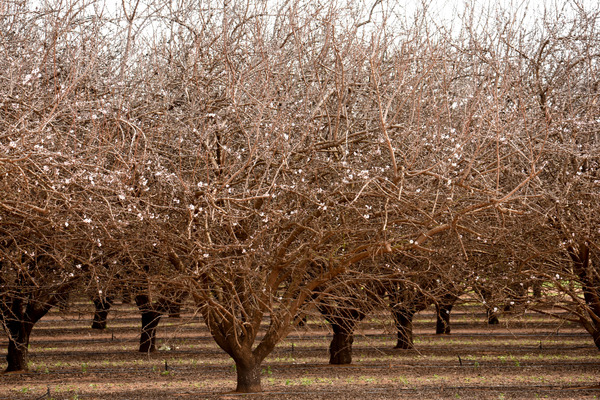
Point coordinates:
[[248, 376], [19, 323], [404, 325], [18, 345], [340, 349]]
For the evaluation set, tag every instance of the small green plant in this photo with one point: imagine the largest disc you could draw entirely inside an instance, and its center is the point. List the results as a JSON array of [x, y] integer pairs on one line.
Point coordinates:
[[165, 373], [84, 367], [306, 381], [268, 371]]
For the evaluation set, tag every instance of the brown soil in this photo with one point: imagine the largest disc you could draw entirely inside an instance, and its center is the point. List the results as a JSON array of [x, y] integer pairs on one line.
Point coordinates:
[[526, 356]]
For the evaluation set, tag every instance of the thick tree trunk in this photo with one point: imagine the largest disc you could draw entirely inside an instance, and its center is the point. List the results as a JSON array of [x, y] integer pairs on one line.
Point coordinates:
[[404, 325], [101, 312], [442, 326], [596, 337], [19, 324], [18, 345], [248, 376], [150, 320], [343, 320], [340, 349]]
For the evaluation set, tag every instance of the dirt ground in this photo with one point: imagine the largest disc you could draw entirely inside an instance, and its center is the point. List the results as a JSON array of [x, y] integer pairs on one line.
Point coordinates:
[[526, 357]]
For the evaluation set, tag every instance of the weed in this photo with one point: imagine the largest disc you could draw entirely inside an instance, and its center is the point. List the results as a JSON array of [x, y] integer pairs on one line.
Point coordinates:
[[402, 380], [84, 367], [307, 381], [267, 371]]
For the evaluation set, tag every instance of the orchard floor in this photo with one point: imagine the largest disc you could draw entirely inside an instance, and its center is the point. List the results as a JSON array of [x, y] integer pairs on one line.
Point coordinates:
[[526, 357]]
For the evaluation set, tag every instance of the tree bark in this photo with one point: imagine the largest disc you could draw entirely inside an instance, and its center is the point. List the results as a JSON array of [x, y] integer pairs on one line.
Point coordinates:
[[150, 320], [340, 349], [404, 325], [442, 326], [248, 376], [492, 317], [101, 312], [18, 345], [19, 324]]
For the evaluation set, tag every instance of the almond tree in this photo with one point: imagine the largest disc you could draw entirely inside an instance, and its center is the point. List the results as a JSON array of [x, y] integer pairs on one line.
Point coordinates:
[[297, 145]]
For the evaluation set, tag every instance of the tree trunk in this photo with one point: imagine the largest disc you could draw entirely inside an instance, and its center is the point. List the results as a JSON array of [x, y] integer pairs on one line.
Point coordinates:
[[404, 325], [340, 349], [150, 320], [537, 289], [442, 326], [596, 337], [248, 376], [492, 317], [19, 324], [101, 312], [19, 332]]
